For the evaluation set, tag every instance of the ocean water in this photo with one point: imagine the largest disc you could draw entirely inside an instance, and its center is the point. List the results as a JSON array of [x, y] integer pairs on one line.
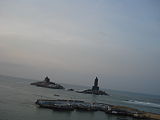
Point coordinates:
[[17, 102]]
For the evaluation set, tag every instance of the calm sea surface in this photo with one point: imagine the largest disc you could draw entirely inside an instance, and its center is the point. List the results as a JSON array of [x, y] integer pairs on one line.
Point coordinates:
[[17, 98]]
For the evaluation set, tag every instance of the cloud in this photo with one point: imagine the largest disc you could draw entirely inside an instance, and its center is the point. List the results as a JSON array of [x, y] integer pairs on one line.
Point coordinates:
[[120, 44]]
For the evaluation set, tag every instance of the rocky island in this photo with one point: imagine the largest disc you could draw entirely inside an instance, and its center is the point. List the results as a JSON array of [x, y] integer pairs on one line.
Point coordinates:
[[95, 89], [46, 83]]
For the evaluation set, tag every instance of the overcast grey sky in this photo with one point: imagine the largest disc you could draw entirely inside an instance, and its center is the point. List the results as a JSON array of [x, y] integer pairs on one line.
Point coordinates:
[[72, 41]]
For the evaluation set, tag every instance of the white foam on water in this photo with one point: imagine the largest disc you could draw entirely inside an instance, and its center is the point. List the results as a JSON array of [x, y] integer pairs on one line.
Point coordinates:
[[143, 103]]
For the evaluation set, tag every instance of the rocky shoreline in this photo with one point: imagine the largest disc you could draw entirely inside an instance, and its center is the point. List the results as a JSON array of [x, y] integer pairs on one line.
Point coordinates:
[[70, 105]]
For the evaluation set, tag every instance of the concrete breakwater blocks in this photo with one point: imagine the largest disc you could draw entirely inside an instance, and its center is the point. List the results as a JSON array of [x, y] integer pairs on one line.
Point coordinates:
[[70, 105]]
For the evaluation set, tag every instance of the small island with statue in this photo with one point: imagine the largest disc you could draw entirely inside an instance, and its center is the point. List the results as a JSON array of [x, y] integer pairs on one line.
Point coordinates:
[[95, 89], [48, 84]]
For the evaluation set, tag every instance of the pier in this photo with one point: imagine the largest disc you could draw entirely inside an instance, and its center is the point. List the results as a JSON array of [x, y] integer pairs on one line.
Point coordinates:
[[71, 105]]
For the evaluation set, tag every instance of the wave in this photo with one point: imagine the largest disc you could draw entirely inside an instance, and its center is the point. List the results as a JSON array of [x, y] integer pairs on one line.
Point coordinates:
[[143, 103]]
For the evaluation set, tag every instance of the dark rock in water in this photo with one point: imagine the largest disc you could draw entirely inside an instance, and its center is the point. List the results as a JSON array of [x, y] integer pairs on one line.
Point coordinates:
[[46, 83], [56, 95], [89, 91], [71, 89]]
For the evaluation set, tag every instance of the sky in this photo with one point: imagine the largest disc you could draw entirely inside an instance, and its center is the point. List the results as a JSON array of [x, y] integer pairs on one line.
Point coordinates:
[[73, 41]]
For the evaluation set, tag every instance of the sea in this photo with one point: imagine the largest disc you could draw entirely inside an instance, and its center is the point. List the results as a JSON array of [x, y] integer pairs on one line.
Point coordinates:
[[17, 101]]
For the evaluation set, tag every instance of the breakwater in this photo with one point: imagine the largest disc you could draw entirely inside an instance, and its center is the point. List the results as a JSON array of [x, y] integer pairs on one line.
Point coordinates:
[[70, 105]]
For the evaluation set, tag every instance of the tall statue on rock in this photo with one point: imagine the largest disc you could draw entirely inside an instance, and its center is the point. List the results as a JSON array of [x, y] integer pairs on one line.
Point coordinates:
[[95, 88]]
